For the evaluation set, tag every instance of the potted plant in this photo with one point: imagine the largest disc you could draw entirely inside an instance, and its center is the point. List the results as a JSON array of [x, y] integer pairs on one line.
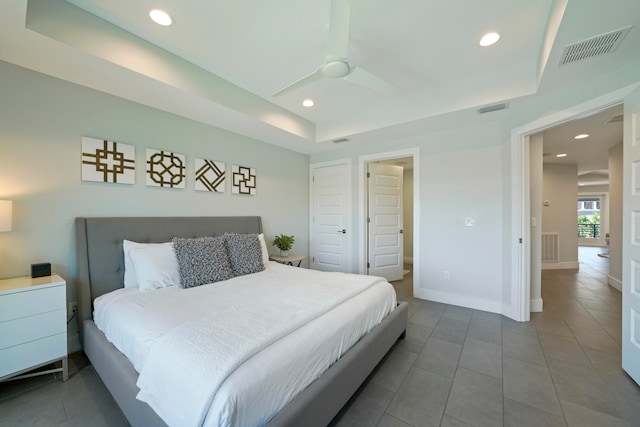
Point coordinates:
[[284, 243]]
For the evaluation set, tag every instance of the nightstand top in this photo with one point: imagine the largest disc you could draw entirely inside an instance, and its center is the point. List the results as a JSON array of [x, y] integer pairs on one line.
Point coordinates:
[[20, 283], [290, 258]]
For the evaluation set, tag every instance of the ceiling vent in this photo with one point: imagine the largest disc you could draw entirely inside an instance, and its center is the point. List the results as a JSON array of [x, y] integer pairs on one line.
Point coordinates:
[[595, 46], [618, 118], [494, 107], [338, 141]]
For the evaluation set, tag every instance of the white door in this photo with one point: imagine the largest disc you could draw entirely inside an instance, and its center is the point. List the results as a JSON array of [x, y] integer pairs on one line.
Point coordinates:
[[631, 238], [385, 220], [330, 218]]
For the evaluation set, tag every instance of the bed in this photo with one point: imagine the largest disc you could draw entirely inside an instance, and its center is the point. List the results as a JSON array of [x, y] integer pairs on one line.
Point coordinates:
[[100, 270]]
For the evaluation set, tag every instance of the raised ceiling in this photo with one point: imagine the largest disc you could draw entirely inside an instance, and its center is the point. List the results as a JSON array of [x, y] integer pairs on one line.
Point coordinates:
[[220, 62]]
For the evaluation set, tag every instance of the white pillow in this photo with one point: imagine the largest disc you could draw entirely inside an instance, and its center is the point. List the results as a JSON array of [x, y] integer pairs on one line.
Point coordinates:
[[129, 269], [265, 252], [156, 267]]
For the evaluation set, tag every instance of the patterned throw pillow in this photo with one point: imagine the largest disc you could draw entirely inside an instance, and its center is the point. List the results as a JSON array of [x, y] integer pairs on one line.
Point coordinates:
[[202, 260], [245, 253]]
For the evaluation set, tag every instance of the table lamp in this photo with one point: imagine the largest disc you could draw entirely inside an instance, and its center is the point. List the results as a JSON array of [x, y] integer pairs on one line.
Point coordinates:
[[5, 215]]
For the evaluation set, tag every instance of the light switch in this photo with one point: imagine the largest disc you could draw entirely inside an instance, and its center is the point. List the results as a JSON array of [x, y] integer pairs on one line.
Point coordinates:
[[470, 221], [534, 221]]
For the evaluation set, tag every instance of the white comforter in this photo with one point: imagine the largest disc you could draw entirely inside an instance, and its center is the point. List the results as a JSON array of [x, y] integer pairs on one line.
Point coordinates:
[[236, 352]]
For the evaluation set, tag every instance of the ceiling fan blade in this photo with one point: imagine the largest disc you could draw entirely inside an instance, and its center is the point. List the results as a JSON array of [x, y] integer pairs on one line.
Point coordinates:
[[316, 75], [366, 79], [338, 43]]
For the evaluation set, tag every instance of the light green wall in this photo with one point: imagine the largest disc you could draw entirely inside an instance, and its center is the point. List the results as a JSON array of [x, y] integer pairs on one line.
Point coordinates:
[[42, 120]]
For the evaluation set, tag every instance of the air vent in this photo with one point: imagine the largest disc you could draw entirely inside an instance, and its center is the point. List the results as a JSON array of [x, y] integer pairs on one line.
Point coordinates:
[[338, 141], [595, 46], [490, 108], [618, 118]]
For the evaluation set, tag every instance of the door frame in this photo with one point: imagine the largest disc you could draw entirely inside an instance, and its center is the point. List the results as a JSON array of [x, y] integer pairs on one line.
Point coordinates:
[[349, 222], [362, 207], [519, 308]]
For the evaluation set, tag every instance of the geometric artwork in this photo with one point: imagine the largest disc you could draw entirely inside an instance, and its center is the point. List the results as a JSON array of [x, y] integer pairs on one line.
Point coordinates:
[[165, 169], [209, 175], [243, 180], [108, 161]]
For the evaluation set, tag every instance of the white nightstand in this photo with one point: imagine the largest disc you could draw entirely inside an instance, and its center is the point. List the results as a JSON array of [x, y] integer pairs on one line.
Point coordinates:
[[33, 325], [288, 260]]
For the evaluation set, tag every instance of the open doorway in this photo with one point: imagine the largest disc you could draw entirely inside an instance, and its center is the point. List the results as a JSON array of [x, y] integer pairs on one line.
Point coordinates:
[[569, 185], [408, 161]]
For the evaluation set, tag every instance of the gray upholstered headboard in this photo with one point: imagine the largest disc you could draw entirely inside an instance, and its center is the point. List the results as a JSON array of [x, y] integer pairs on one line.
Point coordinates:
[[99, 256]]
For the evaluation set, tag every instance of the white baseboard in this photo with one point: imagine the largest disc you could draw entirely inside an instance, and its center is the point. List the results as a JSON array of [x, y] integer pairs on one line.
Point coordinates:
[[407, 260], [570, 265], [614, 283], [536, 305], [459, 300]]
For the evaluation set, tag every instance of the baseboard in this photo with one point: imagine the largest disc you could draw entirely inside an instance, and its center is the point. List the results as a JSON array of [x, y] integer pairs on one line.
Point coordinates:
[[614, 283], [407, 260], [536, 305], [571, 265], [459, 300]]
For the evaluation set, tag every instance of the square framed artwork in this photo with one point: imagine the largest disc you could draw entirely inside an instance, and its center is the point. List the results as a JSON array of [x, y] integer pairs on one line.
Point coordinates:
[[209, 175], [108, 161], [165, 169], [243, 180]]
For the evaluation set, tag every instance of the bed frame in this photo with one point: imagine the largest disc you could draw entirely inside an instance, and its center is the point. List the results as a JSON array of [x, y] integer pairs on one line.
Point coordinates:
[[100, 269]]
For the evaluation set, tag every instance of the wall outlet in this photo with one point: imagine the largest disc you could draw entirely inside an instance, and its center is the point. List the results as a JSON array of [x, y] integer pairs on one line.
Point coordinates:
[[446, 275], [72, 308]]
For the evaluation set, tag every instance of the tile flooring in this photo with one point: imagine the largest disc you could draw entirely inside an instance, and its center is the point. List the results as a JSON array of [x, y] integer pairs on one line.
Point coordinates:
[[457, 367]]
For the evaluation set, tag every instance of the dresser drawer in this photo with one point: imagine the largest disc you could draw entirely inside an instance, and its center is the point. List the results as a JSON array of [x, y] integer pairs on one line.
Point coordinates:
[[21, 357], [33, 301], [26, 329]]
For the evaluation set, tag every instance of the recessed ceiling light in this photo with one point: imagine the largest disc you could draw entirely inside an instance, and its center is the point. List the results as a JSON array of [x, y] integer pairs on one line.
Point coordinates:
[[161, 17], [581, 136], [308, 103], [561, 155], [489, 39]]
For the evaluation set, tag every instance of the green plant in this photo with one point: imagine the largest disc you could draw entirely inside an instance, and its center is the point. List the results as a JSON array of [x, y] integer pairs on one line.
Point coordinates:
[[283, 242]]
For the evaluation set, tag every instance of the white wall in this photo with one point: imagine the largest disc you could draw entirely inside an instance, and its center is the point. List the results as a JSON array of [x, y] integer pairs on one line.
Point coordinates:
[[560, 188], [615, 216], [42, 120]]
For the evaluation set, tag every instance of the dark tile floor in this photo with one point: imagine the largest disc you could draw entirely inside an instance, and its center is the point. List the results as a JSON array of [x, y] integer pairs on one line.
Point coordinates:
[[457, 367]]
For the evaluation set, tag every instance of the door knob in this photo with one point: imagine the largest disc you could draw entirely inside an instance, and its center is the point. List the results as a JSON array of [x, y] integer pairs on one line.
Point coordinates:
[[343, 231], [401, 231]]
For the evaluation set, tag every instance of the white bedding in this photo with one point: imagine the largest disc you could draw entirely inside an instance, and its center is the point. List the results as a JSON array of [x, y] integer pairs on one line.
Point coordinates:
[[148, 326]]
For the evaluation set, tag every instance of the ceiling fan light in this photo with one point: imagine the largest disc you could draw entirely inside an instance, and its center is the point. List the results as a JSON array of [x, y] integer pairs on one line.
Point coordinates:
[[335, 69], [489, 39], [161, 17]]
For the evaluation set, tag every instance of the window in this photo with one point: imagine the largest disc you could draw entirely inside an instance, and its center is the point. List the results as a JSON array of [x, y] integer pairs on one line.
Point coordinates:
[[589, 218]]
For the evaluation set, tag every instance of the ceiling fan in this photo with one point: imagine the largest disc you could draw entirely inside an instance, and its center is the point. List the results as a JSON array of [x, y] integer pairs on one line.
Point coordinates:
[[336, 65]]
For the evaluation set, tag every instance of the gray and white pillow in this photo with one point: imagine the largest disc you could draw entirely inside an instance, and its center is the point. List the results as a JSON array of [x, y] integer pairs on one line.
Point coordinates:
[[202, 260], [245, 253]]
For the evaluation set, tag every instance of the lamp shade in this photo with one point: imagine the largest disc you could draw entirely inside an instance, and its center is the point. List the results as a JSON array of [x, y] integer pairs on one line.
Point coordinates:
[[6, 210]]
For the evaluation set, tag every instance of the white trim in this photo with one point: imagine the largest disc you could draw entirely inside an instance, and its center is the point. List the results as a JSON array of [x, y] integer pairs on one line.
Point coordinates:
[[614, 283], [349, 225], [567, 265], [362, 220], [492, 306], [520, 193], [536, 305]]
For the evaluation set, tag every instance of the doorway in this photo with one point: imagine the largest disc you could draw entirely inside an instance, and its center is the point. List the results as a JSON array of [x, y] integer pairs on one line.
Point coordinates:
[[519, 306], [410, 161]]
